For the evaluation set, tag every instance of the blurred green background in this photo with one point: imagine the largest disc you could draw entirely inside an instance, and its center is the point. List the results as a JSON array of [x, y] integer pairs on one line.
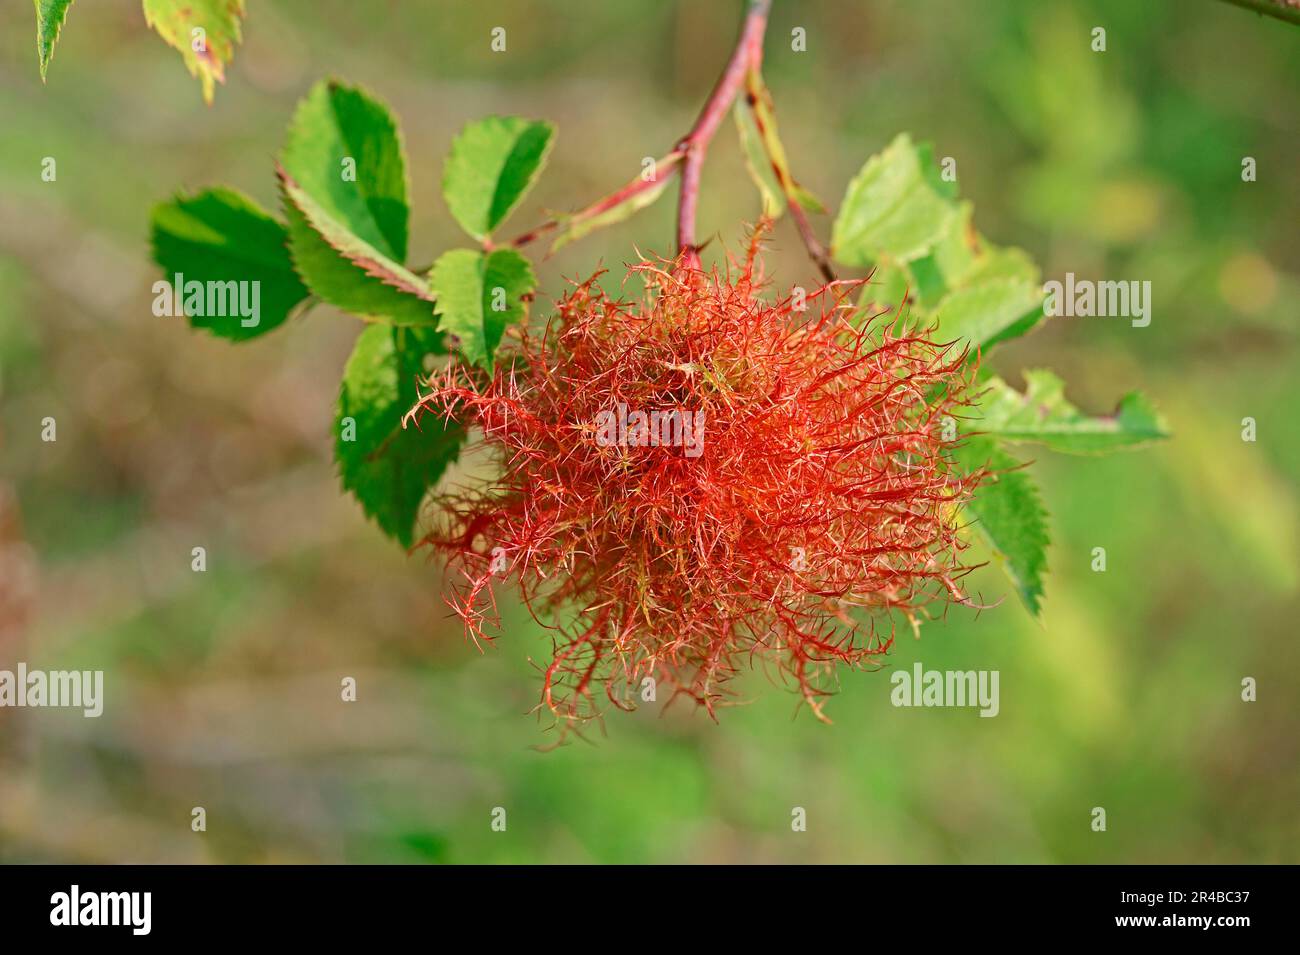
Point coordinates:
[[223, 688]]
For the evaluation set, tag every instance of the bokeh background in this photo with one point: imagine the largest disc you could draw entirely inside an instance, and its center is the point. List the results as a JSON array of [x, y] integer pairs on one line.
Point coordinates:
[[223, 687]]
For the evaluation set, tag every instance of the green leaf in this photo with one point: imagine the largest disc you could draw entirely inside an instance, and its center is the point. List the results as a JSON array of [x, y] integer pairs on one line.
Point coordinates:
[[895, 208], [993, 262], [347, 271], [1008, 515], [479, 295], [343, 175], [220, 235], [976, 292], [50, 15], [176, 22], [1043, 414], [492, 164], [343, 149], [985, 293], [389, 468], [981, 315], [950, 261]]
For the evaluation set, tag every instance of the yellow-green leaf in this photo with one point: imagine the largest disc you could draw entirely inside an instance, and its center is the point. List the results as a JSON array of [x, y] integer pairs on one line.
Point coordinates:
[[894, 208], [205, 32]]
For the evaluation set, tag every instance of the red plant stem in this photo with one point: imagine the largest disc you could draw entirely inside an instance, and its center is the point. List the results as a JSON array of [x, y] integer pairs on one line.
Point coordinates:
[[748, 52], [686, 205], [689, 152]]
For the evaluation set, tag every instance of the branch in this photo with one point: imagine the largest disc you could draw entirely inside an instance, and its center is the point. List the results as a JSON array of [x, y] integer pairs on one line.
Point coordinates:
[[748, 52], [688, 154], [1286, 10]]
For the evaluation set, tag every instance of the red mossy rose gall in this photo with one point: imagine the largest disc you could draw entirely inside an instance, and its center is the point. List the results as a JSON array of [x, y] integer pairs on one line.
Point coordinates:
[[808, 508]]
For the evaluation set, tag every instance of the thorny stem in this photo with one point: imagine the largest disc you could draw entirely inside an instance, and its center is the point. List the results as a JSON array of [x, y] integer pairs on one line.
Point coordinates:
[[748, 53], [688, 155], [1286, 10]]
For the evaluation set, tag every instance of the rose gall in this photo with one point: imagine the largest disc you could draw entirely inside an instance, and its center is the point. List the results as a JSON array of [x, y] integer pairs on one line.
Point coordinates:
[[821, 508]]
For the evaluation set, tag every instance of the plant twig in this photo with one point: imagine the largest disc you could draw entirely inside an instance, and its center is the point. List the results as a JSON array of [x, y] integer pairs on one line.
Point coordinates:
[[1285, 10], [688, 155], [749, 51]]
